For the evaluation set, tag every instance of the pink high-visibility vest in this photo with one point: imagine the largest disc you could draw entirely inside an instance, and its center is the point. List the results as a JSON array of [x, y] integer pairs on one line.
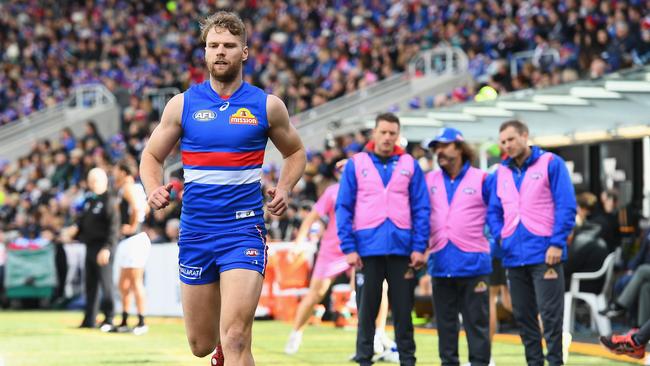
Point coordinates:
[[532, 204], [376, 203], [463, 221]]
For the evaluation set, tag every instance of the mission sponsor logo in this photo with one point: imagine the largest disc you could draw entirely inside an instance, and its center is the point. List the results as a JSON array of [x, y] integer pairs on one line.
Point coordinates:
[[204, 115], [243, 117], [189, 272]]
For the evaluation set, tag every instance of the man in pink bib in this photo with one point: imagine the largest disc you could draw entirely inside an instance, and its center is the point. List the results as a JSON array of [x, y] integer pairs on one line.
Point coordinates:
[[382, 215], [460, 260], [532, 211]]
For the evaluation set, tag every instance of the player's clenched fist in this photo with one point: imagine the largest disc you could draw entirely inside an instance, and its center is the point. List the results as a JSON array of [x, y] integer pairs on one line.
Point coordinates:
[[160, 197], [279, 200]]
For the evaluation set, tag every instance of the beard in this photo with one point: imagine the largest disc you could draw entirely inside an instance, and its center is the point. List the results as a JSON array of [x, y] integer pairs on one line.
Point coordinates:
[[444, 160], [228, 75]]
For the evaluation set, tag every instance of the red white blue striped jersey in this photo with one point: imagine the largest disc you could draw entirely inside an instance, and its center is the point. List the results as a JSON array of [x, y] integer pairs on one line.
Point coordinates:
[[222, 149]]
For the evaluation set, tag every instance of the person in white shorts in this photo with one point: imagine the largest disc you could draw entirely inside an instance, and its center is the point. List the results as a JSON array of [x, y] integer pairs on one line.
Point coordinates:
[[133, 250]]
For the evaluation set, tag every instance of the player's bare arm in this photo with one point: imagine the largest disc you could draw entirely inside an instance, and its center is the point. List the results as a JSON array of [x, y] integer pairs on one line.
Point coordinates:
[[161, 142], [286, 140]]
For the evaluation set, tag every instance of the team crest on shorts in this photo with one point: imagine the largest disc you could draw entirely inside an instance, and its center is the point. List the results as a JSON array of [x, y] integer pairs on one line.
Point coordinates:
[[243, 116], [251, 252], [480, 287]]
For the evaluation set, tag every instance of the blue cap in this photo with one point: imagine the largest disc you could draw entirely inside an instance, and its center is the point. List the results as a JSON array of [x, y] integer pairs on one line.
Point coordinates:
[[447, 135]]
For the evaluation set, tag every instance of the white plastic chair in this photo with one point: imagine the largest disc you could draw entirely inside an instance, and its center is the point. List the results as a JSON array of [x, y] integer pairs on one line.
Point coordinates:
[[595, 302]]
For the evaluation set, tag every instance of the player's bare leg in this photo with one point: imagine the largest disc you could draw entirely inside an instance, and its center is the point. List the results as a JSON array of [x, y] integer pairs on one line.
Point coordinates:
[[201, 307], [125, 287], [137, 281], [240, 293], [317, 289]]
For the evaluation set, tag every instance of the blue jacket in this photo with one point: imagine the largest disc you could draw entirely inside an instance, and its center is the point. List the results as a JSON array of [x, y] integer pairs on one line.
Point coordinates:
[[451, 261], [387, 238], [523, 247]]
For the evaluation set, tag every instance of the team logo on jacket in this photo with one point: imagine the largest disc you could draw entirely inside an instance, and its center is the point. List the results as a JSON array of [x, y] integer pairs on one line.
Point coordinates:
[[434, 189], [251, 252], [364, 172], [98, 208], [243, 117], [405, 172], [204, 115], [536, 176], [469, 191]]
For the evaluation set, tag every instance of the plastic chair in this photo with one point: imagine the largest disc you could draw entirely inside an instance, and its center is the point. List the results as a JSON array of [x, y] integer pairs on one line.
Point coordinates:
[[595, 302]]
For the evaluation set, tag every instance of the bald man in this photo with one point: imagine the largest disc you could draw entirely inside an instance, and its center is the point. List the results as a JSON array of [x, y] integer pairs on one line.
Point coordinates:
[[98, 227]]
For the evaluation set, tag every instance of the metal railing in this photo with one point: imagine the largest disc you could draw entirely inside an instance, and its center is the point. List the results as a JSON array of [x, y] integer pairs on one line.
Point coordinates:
[[432, 71], [520, 57], [160, 96], [86, 101], [438, 61], [89, 96]]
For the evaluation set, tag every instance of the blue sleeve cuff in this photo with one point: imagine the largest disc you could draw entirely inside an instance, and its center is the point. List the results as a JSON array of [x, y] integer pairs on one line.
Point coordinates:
[[348, 248]]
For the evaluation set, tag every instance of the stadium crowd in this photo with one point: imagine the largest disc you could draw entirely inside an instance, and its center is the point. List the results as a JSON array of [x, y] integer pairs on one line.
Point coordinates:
[[308, 52]]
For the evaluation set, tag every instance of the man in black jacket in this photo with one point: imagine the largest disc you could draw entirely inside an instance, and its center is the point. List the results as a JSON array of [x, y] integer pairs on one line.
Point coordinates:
[[98, 227]]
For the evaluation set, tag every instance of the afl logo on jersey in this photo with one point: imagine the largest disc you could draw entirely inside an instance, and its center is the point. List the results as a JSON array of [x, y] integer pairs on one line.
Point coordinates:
[[204, 115], [243, 117]]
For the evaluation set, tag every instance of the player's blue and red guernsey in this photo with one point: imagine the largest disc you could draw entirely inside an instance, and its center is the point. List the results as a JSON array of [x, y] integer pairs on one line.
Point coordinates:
[[222, 149]]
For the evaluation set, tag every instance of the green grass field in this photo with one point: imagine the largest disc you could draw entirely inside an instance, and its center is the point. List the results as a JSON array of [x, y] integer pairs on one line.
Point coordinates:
[[51, 338]]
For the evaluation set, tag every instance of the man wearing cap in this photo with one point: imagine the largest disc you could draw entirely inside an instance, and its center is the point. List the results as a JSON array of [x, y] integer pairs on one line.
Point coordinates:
[[460, 260], [532, 211], [382, 215]]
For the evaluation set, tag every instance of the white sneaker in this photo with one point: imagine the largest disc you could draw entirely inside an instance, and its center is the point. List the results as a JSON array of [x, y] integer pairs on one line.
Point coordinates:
[[140, 329], [378, 345], [387, 342], [647, 361], [389, 356], [107, 327], [566, 343], [293, 343]]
